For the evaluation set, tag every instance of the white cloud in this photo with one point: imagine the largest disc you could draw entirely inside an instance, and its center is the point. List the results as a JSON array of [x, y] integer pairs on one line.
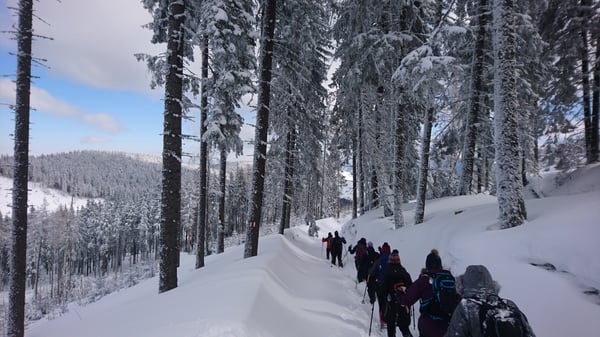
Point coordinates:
[[43, 101], [95, 139], [93, 42]]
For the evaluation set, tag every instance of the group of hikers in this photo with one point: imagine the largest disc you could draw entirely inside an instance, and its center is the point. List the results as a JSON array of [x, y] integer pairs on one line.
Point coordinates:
[[467, 305]]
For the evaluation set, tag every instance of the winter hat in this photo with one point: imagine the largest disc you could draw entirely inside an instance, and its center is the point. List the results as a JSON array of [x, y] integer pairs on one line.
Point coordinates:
[[477, 279], [385, 248], [394, 257], [433, 260], [363, 241], [370, 244]]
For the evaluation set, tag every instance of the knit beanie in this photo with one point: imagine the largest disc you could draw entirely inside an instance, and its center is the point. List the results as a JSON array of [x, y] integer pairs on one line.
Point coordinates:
[[370, 244], [433, 260], [394, 258]]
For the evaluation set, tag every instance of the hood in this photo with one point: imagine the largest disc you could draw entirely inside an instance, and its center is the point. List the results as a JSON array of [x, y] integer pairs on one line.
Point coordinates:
[[477, 280]]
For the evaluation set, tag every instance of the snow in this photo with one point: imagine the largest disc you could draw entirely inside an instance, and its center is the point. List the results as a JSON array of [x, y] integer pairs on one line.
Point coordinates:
[[37, 196], [290, 290]]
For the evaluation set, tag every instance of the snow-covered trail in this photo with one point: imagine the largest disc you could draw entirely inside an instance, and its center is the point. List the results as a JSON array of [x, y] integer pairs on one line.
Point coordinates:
[[354, 292]]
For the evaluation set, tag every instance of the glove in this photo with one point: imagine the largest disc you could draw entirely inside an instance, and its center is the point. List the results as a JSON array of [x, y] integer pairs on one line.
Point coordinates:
[[350, 248], [372, 300]]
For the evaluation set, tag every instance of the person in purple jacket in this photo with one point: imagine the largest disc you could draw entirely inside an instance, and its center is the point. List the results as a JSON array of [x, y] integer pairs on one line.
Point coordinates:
[[422, 290]]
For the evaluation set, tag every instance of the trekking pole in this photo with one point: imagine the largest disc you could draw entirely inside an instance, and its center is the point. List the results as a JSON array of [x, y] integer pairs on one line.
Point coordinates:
[[412, 308], [371, 323], [367, 282]]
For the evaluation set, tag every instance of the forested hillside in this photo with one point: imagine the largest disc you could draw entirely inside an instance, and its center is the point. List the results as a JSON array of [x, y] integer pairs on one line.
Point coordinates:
[[92, 174]]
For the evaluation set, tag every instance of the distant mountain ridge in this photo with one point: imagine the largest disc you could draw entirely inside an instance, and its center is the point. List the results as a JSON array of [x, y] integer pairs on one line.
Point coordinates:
[[94, 174]]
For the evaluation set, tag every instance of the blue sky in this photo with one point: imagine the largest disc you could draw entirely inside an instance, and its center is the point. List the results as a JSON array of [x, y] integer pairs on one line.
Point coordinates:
[[92, 94]]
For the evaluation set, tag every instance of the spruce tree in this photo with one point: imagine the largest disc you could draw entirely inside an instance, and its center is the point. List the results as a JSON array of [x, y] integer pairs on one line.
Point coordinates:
[[508, 157], [262, 126], [18, 257]]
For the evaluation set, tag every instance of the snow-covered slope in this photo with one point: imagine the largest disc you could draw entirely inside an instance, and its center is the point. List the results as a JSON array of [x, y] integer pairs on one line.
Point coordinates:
[[38, 195], [290, 290]]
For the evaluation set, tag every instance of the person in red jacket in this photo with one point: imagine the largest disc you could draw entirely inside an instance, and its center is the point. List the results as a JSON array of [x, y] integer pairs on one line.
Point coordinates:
[[422, 290], [328, 246]]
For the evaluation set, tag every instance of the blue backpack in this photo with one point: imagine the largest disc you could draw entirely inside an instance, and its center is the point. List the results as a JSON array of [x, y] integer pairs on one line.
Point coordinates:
[[444, 300]]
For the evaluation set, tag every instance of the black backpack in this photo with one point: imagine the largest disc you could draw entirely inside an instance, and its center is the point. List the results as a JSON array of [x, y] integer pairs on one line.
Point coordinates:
[[500, 318], [444, 300]]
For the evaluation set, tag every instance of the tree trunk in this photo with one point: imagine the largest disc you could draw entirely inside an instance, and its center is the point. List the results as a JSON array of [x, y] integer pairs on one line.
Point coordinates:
[[508, 174], [586, 89], [424, 168], [354, 178], [400, 157], [473, 121], [171, 171], [222, 186], [37, 270], [18, 257], [596, 105], [202, 198], [288, 180], [262, 125], [361, 159]]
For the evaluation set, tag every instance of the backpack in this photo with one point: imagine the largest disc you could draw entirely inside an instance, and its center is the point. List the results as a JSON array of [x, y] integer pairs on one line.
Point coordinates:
[[398, 291], [500, 318], [444, 300]]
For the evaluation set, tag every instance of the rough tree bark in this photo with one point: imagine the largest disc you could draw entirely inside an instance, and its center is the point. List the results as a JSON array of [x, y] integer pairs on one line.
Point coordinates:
[[262, 125], [466, 178], [511, 202], [18, 256], [171, 171], [424, 167], [202, 198]]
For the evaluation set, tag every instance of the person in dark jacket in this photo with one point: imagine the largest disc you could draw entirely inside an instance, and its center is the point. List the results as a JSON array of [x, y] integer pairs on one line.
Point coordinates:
[[376, 279], [395, 282], [476, 286], [422, 290], [328, 246], [359, 251], [337, 246], [367, 263]]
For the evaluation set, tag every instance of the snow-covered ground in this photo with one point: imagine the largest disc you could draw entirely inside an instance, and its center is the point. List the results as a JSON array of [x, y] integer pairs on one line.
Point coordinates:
[[290, 290], [38, 195]]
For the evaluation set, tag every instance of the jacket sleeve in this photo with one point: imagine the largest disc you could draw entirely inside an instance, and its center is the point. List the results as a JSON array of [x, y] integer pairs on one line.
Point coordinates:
[[413, 293], [459, 325]]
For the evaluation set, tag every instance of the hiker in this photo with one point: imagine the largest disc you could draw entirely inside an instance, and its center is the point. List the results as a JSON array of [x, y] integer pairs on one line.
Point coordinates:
[[328, 246], [435, 315], [479, 299], [359, 251], [395, 282], [367, 261], [337, 246], [366, 264], [376, 279]]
